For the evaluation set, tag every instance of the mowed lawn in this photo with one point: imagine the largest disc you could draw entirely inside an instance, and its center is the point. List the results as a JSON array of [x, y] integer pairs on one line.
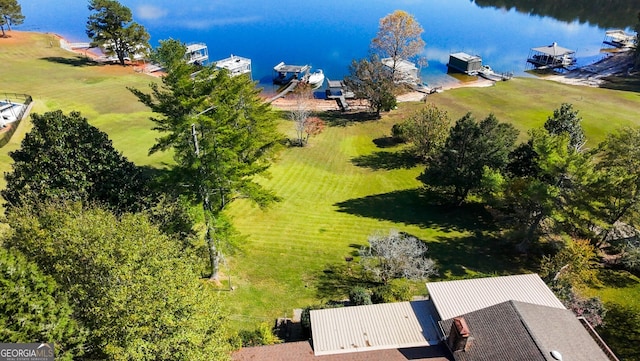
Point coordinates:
[[349, 182]]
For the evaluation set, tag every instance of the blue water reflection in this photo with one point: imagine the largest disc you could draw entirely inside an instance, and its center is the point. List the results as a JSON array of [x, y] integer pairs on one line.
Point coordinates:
[[328, 34]]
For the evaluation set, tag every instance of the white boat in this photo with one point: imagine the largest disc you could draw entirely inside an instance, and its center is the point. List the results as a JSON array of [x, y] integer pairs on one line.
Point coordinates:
[[316, 79]]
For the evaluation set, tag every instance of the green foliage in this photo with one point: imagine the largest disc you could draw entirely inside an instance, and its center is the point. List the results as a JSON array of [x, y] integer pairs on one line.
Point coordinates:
[[130, 285], [223, 136], [169, 54], [64, 157], [470, 147], [565, 120], [10, 14], [621, 332], [426, 129], [575, 264], [616, 192], [548, 182], [34, 309], [396, 290], [359, 296], [111, 27], [261, 335], [371, 80], [631, 256]]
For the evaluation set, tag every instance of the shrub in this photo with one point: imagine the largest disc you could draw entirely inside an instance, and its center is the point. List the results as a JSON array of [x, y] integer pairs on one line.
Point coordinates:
[[396, 290], [359, 296], [261, 335]]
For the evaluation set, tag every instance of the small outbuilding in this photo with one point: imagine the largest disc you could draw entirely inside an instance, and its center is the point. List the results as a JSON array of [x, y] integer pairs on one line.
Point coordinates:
[[465, 63]]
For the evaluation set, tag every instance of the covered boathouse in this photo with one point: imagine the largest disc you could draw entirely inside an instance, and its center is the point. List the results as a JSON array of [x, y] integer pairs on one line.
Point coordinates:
[[465, 63], [551, 57]]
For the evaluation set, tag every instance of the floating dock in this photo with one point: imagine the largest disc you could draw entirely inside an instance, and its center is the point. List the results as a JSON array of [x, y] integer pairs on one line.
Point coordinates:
[[338, 91], [286, 73], [405, 71], [619, 39], [197, 53], [551, 57], [236, 65]]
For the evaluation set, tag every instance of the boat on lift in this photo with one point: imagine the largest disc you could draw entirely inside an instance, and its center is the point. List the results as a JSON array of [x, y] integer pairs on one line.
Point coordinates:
[[316, 79]]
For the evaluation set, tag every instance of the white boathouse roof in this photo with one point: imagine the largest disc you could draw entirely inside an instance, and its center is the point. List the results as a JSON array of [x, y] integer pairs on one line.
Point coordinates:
[[553, 50], [456, 298]]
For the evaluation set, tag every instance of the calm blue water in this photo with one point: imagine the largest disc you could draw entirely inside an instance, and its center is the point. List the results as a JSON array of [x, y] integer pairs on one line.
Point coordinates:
[[328, 34]]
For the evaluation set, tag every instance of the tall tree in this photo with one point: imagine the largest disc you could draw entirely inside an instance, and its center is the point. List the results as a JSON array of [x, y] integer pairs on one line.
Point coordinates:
[[426, 129], [565, 120], [617, 190], [169, 54], [64, 157], [34, 308], [111, 28], [10, 14], [223, 136], [398, 38], [547, 179], [470, 149], [135, 289], [371, 80]]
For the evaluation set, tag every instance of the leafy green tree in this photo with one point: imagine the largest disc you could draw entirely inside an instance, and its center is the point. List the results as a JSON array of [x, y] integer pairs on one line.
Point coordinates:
[[398, 38], [617, 189], [637, 50], [565, 120], [135, 289], [371, 80], [64, 157], [575, 264], [10, 14], [111, 27], [547, 182], [426, 130], [169, 54], [470, 149], [34, 309], [223, 136]]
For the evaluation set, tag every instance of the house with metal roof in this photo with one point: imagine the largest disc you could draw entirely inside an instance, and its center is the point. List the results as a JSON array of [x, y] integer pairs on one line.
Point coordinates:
[[498, 318]]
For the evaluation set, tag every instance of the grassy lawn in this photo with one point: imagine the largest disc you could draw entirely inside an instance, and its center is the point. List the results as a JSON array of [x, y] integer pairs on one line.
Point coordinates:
[[348, 183]]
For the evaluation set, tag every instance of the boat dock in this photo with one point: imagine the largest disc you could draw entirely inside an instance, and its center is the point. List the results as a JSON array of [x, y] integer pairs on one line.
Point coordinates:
[[619, 39], [236, 65], [338, 91], [197, 53], [285, 73], [551, 57], [465, 63], [284, 90]]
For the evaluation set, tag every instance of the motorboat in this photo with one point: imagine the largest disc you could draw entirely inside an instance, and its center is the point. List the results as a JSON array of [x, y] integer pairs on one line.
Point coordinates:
[[316, 79]]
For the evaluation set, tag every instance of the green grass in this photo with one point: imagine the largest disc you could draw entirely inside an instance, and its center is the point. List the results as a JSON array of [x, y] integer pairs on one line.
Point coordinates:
[[349, 182]]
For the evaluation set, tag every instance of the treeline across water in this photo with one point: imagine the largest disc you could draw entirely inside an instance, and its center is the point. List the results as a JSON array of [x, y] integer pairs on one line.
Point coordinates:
[[603, 13]]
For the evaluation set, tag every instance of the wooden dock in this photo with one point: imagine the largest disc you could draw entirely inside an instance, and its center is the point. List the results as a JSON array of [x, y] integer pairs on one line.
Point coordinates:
[[285, 90]]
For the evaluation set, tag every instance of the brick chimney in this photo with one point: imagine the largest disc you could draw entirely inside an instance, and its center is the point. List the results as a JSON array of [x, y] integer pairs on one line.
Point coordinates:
[[459, 336]]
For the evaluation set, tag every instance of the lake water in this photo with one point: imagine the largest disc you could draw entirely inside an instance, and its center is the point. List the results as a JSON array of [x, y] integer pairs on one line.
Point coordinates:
[[329, 34]]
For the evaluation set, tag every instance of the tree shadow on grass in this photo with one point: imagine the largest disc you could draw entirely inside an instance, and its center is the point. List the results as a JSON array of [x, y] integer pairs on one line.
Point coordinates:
[[386, 160], [616, 278], [335, 281], [386, 142], [411, 206], [77, 61], [481, 252], [621, 332], [342, 119]]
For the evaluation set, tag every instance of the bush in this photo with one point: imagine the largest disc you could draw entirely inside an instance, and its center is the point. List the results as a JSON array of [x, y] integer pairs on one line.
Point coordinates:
[[359, 296], [396, 290], [261, 335]]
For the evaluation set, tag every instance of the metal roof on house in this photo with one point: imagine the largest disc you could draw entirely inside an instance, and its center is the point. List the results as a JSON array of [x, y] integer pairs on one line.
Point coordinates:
[[373, 327], [553, 50], [455, 298], [465, 57]]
